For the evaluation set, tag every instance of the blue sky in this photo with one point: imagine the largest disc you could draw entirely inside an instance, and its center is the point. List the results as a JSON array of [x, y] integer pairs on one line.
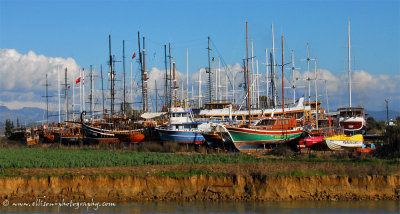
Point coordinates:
[[80, 29]]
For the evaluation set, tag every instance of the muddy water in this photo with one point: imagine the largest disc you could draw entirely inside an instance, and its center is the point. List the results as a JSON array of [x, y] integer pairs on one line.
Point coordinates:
[[223, 207]]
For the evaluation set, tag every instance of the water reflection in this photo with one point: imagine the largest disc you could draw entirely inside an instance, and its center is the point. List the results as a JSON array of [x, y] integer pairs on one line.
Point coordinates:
[[225, 207]]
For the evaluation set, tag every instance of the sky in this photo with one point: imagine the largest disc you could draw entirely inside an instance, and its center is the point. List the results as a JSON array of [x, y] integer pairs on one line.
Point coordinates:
[[39, 37]]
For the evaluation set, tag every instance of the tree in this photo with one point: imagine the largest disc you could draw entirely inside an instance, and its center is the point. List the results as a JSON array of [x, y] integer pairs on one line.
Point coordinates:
[[9, 127], [18, 124], [128, 109]]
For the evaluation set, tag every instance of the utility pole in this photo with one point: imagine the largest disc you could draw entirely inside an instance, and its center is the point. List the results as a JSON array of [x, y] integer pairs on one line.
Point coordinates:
[[387, 110]]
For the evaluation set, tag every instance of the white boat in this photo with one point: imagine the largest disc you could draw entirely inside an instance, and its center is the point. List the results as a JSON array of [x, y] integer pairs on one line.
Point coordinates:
[[344, 142]]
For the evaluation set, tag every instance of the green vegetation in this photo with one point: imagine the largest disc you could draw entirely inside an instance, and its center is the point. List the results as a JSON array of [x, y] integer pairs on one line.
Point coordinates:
[[62, 158], [9, 127]]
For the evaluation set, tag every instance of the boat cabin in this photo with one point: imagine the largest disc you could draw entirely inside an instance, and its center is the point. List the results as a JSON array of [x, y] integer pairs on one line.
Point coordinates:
[[275, 123], [179, 115], [351, 112]]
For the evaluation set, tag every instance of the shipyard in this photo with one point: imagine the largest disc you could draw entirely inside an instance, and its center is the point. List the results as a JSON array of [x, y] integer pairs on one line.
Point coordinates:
[[248, 116]]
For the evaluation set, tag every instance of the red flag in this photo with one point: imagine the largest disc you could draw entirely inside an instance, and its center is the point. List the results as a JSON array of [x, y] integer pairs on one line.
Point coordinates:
[[78, 80], [69, 86], [163, 107], [134, 55]]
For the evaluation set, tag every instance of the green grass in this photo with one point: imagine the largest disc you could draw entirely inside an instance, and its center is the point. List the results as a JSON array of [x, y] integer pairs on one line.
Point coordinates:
[[62, 158]]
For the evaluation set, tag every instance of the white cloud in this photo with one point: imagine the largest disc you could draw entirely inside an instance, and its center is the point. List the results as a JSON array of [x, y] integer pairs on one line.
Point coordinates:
[[22, 79], [23, 76]]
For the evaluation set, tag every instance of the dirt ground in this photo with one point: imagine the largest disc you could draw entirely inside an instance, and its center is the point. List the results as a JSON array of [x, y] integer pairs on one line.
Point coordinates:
[[266, 168]]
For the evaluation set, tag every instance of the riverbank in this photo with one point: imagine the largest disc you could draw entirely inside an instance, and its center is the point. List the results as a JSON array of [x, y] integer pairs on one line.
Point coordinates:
[[27, 174], [199, 188]]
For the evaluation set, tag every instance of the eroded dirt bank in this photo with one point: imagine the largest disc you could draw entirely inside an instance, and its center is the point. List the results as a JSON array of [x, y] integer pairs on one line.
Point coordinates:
[[200, 187]]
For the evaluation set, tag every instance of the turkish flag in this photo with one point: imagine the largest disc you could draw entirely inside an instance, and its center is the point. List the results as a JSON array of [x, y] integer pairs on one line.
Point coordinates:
[[134, 55], [78, 80]]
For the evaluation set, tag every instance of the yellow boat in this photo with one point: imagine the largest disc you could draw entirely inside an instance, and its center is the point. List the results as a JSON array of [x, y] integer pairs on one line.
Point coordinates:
[[342, 142]]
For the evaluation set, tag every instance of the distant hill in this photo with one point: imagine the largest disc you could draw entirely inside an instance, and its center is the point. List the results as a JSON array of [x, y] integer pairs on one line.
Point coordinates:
[[381, 115], [26, 115]]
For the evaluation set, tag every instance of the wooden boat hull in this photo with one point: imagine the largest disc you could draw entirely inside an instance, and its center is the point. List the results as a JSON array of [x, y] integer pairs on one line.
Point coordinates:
[[248, 140]]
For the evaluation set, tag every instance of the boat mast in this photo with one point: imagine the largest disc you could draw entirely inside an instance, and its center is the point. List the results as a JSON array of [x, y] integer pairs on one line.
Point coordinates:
[[327, 100], [266, 73], [247, 70], [349, 64], [83, 89], [187, 76], [200, 89], [73, 96], [111, 78], [155, 82], [308, 73], [174, 87], [166, 78], [47, 101], [123, 64], [145, 78], [273, 76], [283, 84], [102, 87], [66, 95], [59, 102], [91, 92], [170, 74], [141, 70], [316, 93], [209, 73], [257, 93], [252, 74], [294, 80]]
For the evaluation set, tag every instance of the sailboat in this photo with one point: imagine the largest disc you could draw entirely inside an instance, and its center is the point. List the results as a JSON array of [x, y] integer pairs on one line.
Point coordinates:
[[273, 130], [351, 120]]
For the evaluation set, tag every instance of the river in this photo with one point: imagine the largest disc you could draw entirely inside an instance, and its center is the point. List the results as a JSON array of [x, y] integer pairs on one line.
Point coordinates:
[[217, 207]]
